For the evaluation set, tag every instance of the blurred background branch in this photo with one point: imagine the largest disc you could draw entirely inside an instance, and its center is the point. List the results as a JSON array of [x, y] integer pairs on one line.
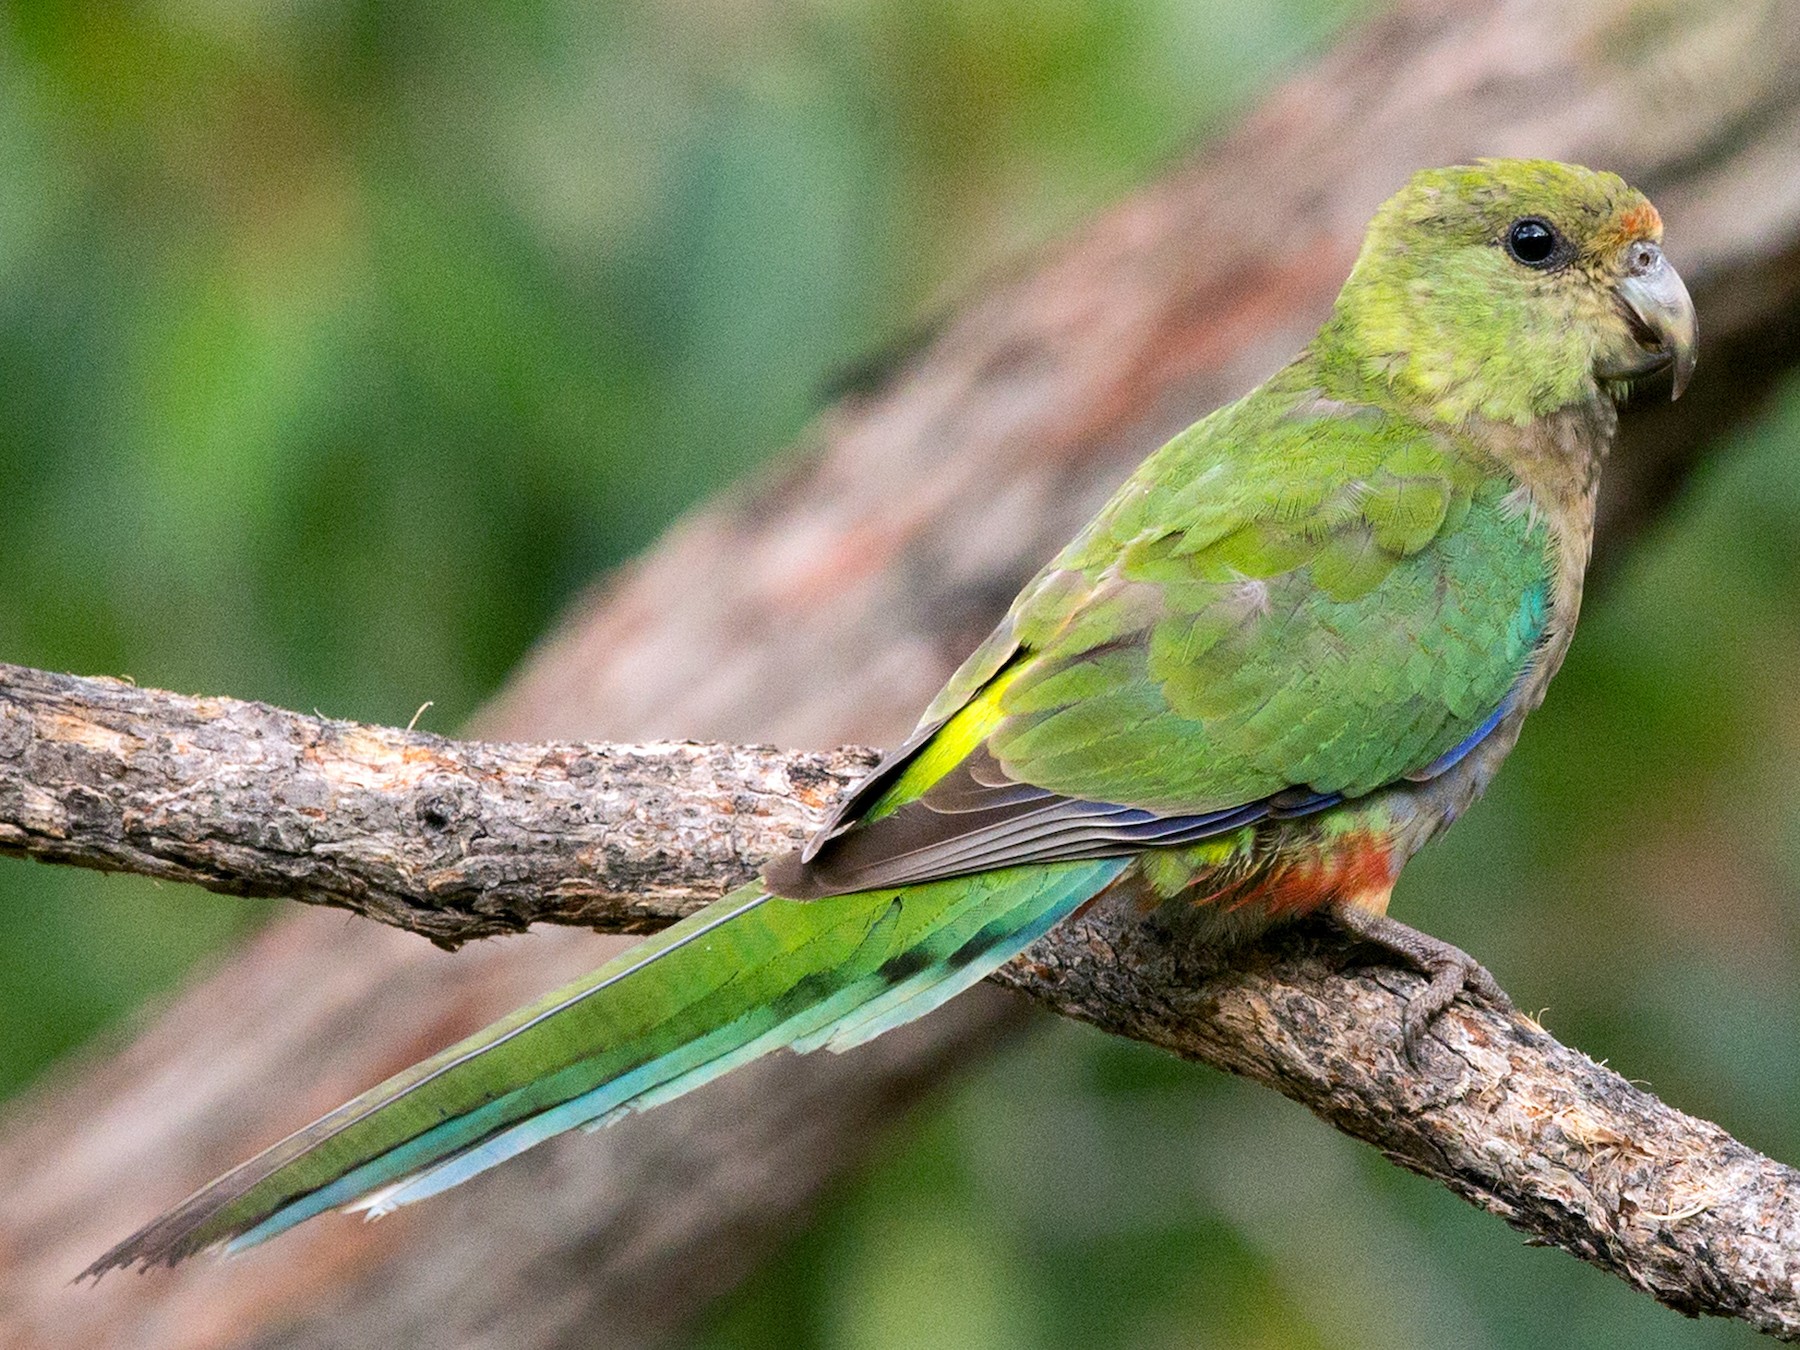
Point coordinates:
[[467, 839], [340, 342]]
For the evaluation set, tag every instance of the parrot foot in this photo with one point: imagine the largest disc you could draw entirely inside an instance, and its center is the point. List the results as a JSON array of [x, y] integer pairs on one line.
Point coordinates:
[[1449, 969]]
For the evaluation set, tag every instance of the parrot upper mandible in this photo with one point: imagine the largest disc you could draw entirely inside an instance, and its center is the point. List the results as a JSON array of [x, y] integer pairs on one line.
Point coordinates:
[[1293, 647]]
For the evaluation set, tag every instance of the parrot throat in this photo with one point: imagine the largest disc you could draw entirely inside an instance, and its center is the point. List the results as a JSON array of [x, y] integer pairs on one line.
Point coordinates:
[[1556, 464]]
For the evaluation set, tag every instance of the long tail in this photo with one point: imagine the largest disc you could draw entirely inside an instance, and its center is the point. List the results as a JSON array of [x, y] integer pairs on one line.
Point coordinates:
[[747, 975]]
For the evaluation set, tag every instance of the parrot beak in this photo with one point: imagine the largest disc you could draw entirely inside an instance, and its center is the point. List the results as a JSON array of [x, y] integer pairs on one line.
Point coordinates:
[[1661, 314]]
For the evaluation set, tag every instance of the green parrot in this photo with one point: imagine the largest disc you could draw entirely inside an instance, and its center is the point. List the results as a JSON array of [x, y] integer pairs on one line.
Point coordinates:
[[1293, 647]]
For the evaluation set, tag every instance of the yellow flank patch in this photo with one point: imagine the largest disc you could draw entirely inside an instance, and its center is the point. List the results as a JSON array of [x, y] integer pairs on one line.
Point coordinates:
[[1170, 871], [967, 728]]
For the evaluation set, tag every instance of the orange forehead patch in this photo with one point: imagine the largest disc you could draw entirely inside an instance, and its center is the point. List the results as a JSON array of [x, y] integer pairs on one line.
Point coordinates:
[[1640, 222]]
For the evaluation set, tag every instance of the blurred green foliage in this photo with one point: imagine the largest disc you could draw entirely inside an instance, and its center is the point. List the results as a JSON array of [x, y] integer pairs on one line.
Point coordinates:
[[341, 342]]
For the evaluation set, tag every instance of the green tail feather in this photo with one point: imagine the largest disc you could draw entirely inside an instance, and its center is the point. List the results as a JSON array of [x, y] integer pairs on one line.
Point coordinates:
[[747, 975]]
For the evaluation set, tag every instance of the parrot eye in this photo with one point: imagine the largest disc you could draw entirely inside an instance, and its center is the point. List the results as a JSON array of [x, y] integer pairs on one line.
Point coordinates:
[[1534, 242]]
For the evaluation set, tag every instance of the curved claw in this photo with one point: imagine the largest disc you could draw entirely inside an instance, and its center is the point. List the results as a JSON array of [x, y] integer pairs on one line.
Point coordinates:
[[1449, 969]]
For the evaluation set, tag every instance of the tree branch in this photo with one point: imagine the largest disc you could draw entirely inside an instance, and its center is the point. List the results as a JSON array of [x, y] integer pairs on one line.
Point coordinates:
[[1502, 1114], [450, 839], [457, 840]]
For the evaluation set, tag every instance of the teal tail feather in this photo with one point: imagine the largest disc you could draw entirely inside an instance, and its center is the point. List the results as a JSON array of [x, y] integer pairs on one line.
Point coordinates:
[[747, 975]]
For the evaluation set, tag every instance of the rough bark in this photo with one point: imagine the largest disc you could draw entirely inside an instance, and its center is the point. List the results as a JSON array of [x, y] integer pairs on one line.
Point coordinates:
[[1504, 1115], [823, 606], [455, 840], [449, 839]]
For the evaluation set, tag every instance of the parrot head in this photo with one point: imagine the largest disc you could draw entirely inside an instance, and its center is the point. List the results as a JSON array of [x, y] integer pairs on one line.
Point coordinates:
[[1508, 289]]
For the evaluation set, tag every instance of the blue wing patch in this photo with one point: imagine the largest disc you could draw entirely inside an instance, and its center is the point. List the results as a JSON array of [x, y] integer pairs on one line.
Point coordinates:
[[1456, 753]]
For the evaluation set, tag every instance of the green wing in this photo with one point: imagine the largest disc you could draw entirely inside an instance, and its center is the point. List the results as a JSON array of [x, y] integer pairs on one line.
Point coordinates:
[[1293, 600]]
